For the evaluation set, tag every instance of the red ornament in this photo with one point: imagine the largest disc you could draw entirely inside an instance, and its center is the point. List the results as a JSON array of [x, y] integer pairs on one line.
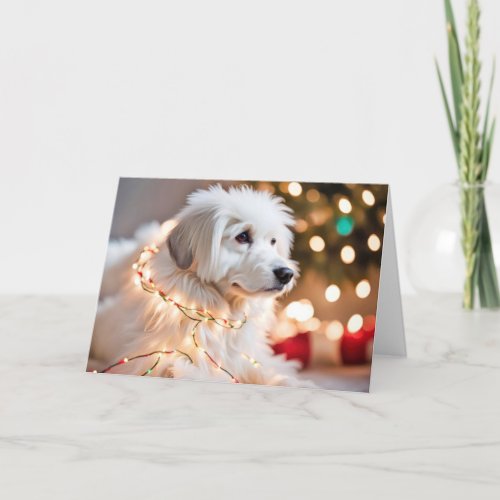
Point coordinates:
[[298, 347], [356, 347]]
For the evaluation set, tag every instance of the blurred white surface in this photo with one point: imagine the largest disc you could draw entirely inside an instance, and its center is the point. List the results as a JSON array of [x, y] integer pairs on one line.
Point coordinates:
[[429, 429], [340, 91]]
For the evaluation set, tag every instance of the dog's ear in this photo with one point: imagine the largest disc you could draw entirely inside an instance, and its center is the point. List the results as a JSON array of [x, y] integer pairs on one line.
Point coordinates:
[[179, 246], [197, 239]]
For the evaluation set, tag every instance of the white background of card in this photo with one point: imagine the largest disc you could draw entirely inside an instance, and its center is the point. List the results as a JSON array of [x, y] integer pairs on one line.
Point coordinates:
[[340, 91]]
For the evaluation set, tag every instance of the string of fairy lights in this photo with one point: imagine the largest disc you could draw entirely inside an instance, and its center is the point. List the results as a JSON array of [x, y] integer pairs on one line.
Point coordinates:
[[144, 279]]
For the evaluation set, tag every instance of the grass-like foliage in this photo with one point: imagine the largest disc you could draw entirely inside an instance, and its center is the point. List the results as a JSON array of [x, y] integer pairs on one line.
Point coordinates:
[[472, 144]]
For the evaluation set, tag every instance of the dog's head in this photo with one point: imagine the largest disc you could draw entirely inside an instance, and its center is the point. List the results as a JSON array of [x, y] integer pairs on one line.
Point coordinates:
[[239, 240]]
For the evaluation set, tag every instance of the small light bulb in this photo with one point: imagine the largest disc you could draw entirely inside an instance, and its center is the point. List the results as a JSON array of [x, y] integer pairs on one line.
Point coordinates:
[[168, 225]]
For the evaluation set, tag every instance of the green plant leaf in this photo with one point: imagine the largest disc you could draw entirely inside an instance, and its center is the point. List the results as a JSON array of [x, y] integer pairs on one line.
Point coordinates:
[[489, 146], [455, 61], [484, 136], [489, 293], [456, 75], [450, 17], [451, 125]]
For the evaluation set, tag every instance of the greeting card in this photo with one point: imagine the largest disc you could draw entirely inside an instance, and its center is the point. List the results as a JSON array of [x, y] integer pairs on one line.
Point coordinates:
[[249, 282]]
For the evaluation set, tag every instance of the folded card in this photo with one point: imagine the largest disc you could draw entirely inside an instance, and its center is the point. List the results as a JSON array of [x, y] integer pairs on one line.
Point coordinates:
[[257, 282]]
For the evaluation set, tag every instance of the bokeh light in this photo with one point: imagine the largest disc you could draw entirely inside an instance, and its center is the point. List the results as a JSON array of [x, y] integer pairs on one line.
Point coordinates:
[[301, 225], [332, 293], [363, 289], [317, 243], [345, 206], [320, 216], [300, 310], [355, 323], [373, 242], [334, 330], [347, 254], [312, 324], [345, 225], [312, 195], [295, 189], [368, 197]]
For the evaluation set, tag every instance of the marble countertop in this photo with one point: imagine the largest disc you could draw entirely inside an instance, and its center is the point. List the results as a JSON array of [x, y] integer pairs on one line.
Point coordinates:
[[429, 429]]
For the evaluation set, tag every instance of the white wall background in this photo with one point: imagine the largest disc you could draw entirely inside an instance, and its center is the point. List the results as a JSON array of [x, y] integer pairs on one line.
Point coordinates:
[[313, 90]]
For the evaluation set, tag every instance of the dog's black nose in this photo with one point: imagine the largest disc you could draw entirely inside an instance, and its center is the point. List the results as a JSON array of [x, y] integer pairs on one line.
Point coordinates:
[[284, 274]]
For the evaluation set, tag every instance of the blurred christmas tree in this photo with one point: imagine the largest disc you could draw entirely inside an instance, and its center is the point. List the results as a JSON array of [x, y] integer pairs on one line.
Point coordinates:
[[339, 227]]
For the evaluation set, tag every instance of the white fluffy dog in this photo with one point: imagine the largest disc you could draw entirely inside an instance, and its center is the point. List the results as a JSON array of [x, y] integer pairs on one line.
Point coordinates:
[[229, 254]]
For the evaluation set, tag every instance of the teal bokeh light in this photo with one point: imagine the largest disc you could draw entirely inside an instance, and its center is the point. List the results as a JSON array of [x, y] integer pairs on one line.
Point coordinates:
[[345, 225]]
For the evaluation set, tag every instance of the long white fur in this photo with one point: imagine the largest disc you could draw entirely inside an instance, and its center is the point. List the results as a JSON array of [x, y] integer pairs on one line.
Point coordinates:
[[201, 264]]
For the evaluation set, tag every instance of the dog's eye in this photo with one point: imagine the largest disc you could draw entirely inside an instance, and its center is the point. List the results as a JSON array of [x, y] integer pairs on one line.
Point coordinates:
[[273, 241], [243, 237]]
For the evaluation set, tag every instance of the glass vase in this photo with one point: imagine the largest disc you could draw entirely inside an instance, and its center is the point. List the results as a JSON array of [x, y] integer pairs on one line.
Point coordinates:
[[453, 244]]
